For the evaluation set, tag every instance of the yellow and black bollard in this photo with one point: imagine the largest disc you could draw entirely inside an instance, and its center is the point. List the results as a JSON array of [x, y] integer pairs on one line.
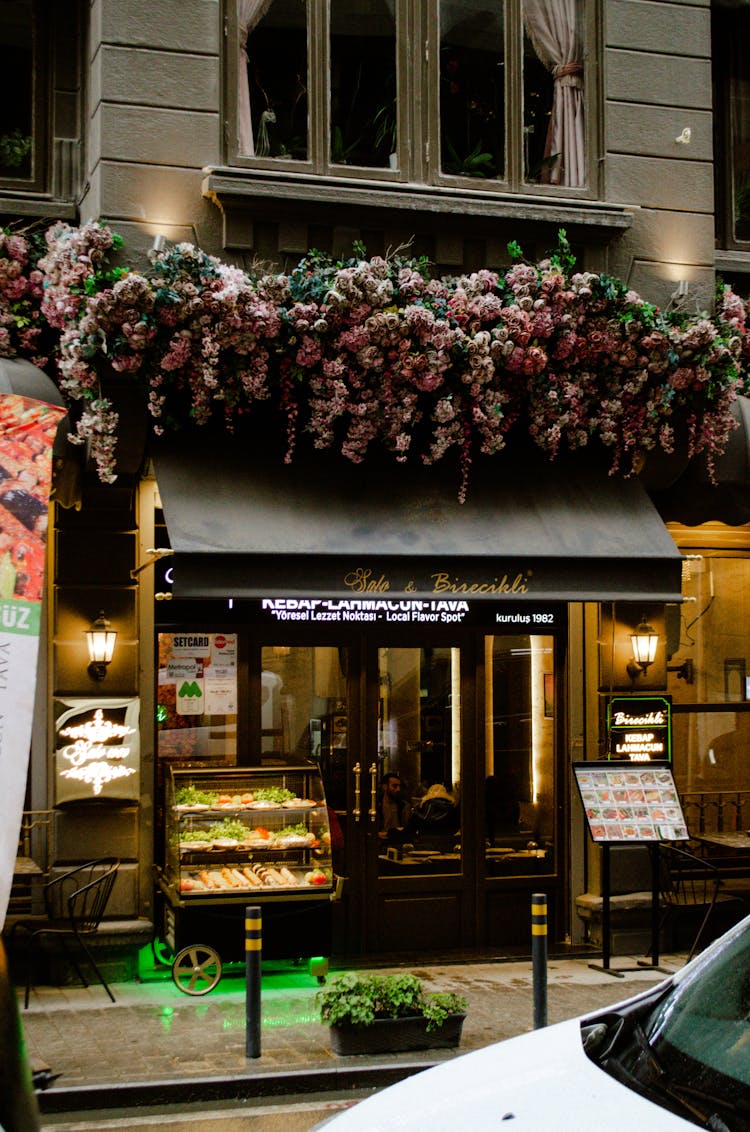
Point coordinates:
[[253, 945], [539, 957]]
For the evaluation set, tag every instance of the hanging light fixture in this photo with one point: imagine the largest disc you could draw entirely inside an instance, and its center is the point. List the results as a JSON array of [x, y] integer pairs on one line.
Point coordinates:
[[101, 639], [644, 640]]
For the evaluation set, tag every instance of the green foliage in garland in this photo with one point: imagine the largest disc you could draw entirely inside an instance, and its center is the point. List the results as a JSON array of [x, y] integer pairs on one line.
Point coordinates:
[[373, 355]]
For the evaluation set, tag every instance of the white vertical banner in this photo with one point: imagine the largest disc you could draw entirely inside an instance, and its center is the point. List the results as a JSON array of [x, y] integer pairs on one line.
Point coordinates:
[[27, 432]]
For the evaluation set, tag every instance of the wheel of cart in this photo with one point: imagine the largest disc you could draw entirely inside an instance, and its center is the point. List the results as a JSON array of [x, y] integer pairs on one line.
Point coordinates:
[[196, 969]]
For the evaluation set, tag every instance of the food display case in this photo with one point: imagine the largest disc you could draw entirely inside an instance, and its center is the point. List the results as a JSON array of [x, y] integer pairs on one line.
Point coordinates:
[[244, 836]]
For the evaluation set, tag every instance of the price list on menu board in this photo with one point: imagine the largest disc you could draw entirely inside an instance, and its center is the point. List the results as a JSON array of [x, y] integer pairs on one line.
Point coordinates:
[[630, 802]]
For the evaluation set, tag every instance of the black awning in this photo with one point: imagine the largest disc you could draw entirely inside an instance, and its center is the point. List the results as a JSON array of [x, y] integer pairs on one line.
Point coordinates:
[[17, 375], [250, 529], [694, 497]]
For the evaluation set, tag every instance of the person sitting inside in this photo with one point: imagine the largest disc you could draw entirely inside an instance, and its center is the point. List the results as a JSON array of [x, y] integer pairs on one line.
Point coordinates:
[[392, 809], [435, 818]]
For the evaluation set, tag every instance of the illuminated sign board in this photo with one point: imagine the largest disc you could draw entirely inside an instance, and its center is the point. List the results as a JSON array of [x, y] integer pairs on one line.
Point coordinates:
[[395, 610], [639, 728], [97, 752]]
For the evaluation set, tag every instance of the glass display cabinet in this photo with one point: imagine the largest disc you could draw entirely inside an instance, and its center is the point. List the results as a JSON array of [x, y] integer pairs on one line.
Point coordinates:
[[244, 836]]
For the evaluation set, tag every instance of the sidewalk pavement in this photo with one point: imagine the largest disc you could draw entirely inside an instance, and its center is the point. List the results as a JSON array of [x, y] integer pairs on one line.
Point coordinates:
[[155, 1038]]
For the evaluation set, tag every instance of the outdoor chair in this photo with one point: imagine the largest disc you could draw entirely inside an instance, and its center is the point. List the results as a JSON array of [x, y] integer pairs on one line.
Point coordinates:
[[690, 887], [75, 903]]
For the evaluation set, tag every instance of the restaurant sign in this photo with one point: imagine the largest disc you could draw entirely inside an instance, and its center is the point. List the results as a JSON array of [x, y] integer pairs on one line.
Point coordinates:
[[394, 610], [639, 728], [97, 754]]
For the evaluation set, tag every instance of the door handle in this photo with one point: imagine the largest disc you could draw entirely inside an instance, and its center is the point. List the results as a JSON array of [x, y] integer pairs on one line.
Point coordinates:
[[373, 812], [357, 772]]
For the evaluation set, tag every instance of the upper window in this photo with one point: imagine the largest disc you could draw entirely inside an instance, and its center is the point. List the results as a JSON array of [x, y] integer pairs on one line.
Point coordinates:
[[443, 91], [21, 149], [731, 78]]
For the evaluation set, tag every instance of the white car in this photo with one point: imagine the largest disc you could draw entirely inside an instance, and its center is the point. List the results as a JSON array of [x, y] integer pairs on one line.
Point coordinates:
[[673, 1057]]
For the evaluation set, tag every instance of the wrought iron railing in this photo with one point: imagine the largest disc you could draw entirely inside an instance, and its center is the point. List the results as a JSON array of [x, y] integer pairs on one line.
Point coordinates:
[[716, 811]]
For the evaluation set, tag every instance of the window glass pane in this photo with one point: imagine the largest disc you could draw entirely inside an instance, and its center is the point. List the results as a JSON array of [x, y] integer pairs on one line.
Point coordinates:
[[196, 701], [304, 711], [276, 68], [711, 769], [519, 754], [713, 632], [363, 83], [553, 93], [419, 744], [472, 88], [16, 87], [710, 747], [739, 114]]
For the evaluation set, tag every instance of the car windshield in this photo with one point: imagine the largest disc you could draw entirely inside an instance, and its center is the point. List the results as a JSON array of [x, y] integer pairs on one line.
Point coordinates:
[[700, 1033], [687, 1045]]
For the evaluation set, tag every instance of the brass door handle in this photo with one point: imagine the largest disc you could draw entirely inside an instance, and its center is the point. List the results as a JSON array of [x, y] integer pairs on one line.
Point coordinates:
[[373, 792], [357, 772]]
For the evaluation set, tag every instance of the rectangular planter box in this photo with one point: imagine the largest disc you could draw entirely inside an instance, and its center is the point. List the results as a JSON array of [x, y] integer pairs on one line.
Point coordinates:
[[396, 1035]]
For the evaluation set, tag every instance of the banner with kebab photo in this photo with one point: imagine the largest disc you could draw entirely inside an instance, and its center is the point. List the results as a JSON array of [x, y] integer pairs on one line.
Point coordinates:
[[27, 433]]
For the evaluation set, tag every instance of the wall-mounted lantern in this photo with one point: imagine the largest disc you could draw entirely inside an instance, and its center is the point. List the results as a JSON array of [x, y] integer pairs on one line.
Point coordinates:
[[101, 639], [644, 640]]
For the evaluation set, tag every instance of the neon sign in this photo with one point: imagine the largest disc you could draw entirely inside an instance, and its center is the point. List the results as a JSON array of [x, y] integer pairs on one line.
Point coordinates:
[[639, 728], [91, 761]]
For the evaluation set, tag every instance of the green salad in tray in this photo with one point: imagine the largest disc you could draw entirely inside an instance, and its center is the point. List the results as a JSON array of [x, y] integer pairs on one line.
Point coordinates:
[[299, 830], [227, 830], [192, 796], [275, 794], [197, 835]]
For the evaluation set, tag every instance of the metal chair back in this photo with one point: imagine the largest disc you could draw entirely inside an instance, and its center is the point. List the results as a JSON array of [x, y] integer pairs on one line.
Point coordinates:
[[687, 882], [87, 905], [80, 895]]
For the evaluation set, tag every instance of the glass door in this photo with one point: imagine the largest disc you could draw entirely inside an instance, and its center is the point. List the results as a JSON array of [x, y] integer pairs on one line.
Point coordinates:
[[519, 787], [419, 761], [519, 755], [419, 862]]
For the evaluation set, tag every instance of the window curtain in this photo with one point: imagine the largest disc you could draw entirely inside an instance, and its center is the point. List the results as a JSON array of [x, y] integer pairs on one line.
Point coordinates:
[[552, 29], [249, 15]]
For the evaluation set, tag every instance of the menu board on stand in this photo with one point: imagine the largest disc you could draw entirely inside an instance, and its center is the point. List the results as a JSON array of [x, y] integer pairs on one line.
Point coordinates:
[[629, 803]]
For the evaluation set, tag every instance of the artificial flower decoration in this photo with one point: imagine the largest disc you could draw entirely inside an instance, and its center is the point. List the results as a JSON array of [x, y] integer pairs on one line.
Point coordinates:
[[374, 353]]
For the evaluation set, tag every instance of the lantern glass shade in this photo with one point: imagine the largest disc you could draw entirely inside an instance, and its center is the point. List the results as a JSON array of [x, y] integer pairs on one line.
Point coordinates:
[[644, 641], [101, 639]]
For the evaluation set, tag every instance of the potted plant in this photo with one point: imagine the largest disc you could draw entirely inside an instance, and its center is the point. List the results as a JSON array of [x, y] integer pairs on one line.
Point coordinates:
[[380, 1013]]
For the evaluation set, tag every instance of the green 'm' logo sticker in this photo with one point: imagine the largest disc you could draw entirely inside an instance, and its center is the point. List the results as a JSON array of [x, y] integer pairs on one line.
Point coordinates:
[[190, 691]]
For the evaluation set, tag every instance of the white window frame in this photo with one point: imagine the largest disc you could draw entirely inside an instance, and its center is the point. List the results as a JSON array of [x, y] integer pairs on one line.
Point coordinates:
[[418, 74]]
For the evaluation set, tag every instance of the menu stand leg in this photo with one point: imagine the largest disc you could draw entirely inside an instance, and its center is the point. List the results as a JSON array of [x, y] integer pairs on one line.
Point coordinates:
[[605, 919]]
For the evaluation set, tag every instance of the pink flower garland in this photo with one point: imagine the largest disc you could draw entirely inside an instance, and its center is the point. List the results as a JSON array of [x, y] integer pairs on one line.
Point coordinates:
[[374, 352]]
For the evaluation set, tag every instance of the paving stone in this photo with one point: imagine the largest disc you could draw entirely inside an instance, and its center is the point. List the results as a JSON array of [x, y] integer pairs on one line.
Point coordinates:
[[153, 1032]]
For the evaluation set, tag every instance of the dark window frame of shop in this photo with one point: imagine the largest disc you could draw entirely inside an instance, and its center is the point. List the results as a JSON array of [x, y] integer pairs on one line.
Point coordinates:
[[499, 899]]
